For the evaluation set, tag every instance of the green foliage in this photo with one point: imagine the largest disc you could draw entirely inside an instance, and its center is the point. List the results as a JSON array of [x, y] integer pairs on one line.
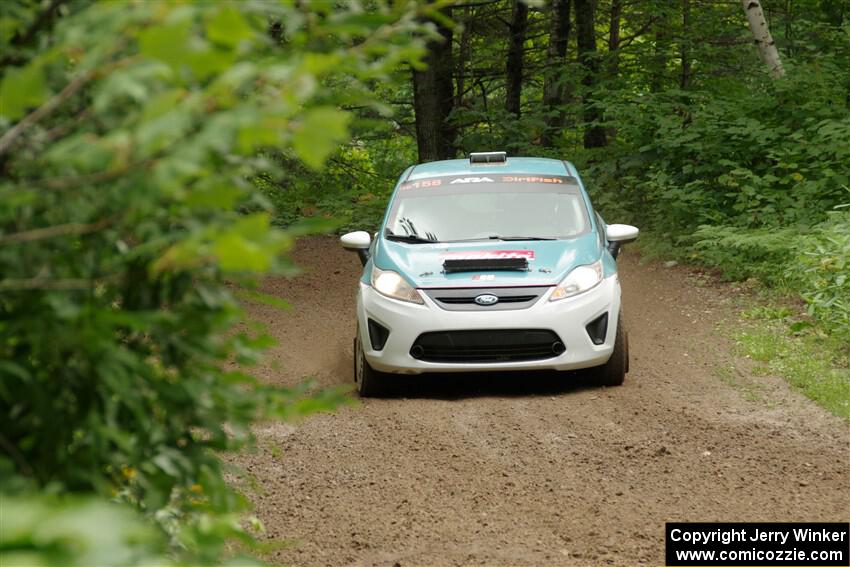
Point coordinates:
[[740, 174], [46, 530], [20, 89], [319, 133], [821, 270], [126, 215], [352, 190], [745, 253], [705, 159], [78, 531]]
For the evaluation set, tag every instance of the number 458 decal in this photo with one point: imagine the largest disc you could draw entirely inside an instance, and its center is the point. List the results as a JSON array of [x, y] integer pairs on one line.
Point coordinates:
[[421, 183]]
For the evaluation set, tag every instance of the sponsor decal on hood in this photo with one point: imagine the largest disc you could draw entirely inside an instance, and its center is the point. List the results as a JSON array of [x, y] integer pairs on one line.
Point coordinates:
[[486, 254]]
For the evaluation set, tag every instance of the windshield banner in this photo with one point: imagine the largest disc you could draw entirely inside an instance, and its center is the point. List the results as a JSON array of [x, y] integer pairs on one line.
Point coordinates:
[[486, 179]]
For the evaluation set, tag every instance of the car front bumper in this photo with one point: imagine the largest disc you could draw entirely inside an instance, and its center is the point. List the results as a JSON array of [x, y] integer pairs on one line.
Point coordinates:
[[567, 317]]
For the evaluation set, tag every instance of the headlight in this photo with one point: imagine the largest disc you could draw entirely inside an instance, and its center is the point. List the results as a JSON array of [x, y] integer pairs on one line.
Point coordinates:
[[581, 279], [389, 283]]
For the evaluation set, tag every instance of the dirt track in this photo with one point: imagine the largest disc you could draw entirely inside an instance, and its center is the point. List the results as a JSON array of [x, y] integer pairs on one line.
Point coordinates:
[[536, 470]]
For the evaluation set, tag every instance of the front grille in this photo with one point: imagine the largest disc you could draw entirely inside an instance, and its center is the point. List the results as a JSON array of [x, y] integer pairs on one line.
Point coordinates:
[[463, 298], [468, 300], [487, 346]]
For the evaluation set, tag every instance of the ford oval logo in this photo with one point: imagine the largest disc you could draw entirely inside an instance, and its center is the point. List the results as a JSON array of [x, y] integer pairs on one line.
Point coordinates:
[[486, 299]]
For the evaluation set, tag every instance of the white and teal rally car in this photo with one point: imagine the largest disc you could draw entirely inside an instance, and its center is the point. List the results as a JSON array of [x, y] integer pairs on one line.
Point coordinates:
[[489, 263]]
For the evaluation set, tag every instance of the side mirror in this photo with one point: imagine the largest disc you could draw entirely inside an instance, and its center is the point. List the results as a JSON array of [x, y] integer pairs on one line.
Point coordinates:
[[358, 241], [619, 234]]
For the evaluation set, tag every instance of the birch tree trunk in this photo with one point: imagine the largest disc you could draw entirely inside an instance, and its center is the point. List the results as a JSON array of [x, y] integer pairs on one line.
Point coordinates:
[[763, 40]]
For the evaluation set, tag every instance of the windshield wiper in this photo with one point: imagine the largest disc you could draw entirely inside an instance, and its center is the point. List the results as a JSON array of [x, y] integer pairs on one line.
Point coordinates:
[[408, 238], [499, 237]]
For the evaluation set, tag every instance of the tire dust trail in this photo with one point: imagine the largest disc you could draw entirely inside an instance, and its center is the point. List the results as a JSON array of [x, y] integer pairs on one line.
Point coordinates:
[[534, 469]]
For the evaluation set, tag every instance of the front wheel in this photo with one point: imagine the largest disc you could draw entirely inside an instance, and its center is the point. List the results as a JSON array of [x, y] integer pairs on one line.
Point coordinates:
[[613, 372], [370, 383]]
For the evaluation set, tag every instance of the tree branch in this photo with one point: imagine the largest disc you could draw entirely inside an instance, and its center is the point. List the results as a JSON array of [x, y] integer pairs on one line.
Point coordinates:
[[474, 4], [9, 137], [76, 84], [30, 284], [43, 283], [642, 30], [16, 455], [57, 230], [58, 131], [99, 177], [349, 168]]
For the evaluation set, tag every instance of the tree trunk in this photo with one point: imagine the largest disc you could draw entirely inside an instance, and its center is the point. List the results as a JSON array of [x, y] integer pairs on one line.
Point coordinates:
[[789, 30], [433, 99], [614, 37], [684, 47], [513, 69], [553, 87], [613, 67], [464, 55], [594, 135], [763, 40], [659, 55]]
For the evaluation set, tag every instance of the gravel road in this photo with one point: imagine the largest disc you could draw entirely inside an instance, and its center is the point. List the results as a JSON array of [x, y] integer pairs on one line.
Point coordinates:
[[535, 469]]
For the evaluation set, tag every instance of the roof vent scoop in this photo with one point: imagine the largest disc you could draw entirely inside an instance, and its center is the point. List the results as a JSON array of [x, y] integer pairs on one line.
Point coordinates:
[[488, 157]]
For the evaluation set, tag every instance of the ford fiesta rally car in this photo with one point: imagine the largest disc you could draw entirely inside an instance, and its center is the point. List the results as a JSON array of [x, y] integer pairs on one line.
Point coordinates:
[[489, 264]]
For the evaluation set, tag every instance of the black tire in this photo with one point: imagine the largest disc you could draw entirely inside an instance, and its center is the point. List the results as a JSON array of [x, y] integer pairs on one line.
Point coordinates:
[[370, 383], [613, 372]]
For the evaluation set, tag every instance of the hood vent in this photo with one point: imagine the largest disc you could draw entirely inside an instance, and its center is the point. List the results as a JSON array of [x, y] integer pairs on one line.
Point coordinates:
[[453, 266]]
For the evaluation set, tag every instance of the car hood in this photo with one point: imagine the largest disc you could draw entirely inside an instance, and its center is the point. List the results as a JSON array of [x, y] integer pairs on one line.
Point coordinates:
[[549, 261]]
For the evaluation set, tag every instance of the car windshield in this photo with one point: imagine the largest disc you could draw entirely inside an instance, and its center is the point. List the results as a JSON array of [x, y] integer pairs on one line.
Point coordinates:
[[482, 211]]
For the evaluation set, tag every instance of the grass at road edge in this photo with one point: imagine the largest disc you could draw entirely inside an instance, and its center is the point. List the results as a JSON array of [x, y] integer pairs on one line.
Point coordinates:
[[810, 361]]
